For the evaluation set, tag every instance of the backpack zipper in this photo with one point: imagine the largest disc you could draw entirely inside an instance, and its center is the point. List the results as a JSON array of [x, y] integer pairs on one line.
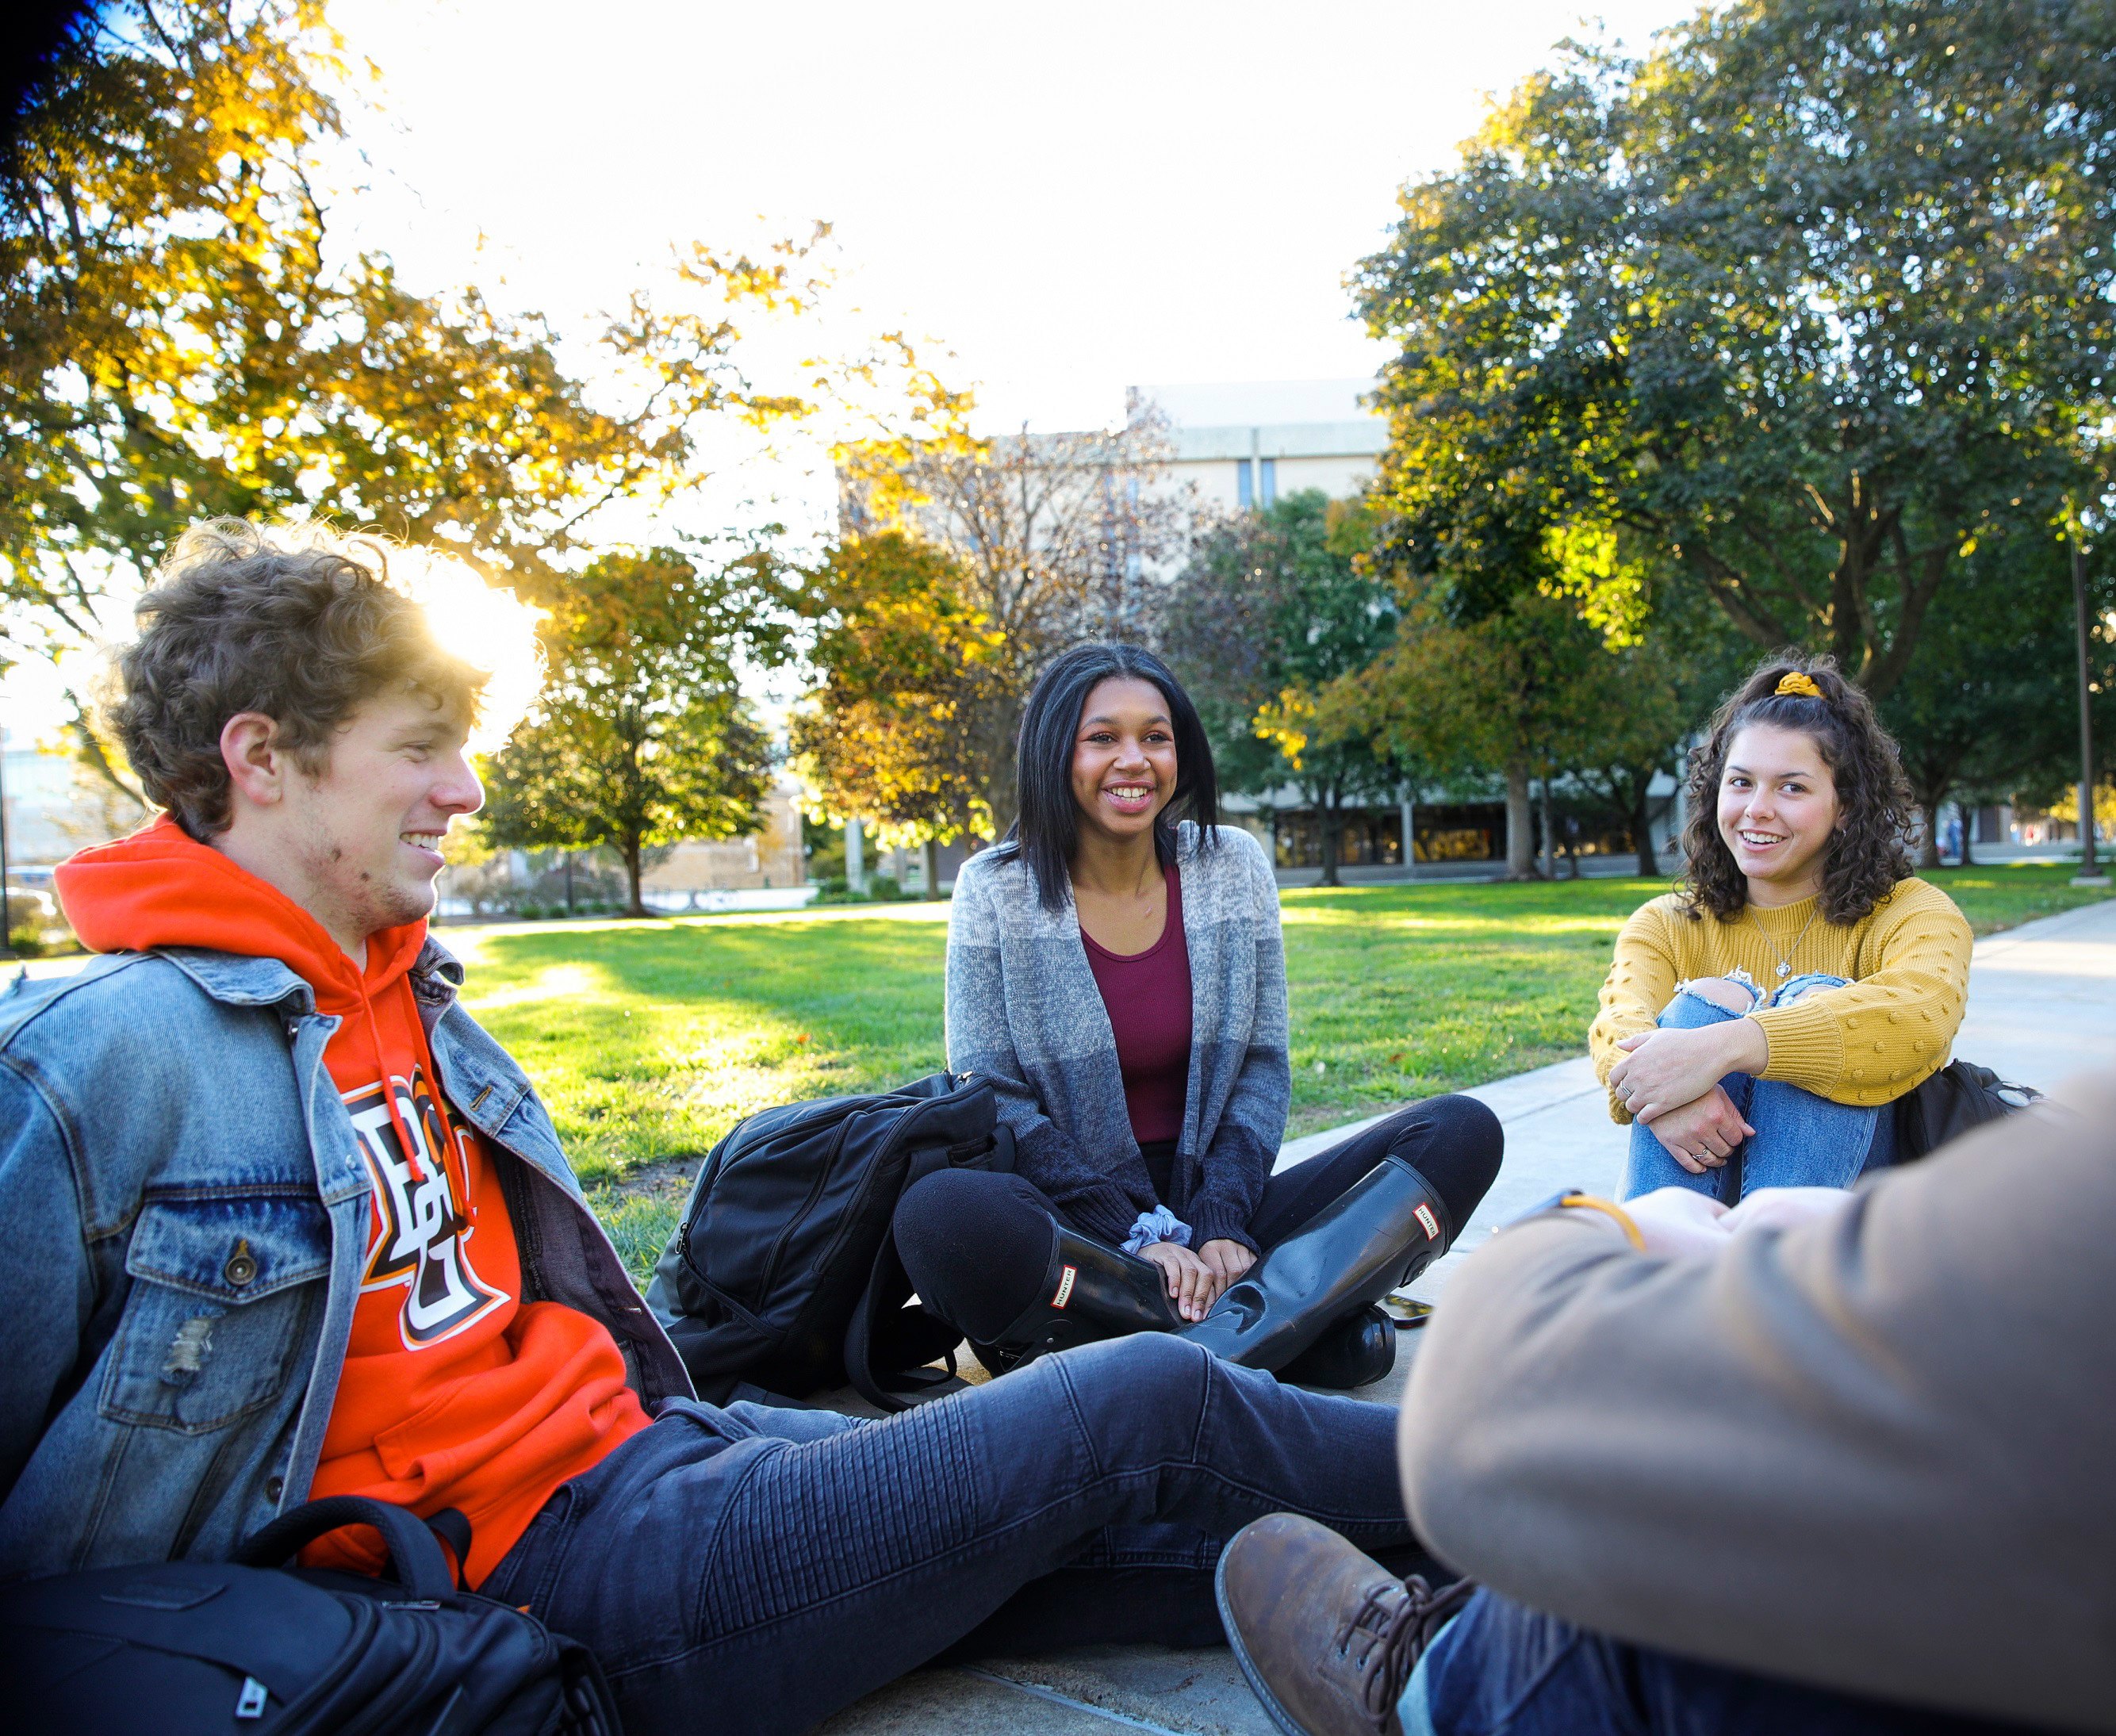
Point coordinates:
[[823, 1174]]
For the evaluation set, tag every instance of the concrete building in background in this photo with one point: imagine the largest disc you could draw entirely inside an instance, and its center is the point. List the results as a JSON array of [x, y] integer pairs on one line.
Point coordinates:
[[769, 859], [55, 806], [1246, 445]]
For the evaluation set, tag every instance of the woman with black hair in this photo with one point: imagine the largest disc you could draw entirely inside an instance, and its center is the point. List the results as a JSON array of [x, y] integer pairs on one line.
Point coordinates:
[[1117, 971], [1801, 980]]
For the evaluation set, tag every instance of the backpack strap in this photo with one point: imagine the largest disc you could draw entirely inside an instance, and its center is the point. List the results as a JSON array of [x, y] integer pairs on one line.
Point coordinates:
[[887, 1286], [415, 1553]]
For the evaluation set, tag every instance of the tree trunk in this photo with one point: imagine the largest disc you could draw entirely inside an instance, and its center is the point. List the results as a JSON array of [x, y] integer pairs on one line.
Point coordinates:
[[1326, 809], [1642, 831], [1930, 800], [1968, 835], [1549, 869], [1521, 825], [929, 861], [637, 905]]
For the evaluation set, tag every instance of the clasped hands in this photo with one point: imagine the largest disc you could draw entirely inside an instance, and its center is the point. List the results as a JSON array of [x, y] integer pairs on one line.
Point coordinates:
[[1681, 1222], [1669, 1080], [1195, 1280]]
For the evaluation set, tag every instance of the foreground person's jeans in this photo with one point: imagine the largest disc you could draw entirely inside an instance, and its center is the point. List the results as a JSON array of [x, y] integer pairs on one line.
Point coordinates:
[[732, 1581], [1801, 1140], [1499, 1669]]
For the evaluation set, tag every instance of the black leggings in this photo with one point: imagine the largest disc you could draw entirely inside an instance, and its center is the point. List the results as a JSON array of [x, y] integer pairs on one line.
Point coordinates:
[[976, 1245]]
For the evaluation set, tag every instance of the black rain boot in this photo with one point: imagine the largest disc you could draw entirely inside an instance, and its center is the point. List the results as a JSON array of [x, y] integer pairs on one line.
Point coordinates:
[[1380, 1233], [1356, 1349], [1091, 1291]]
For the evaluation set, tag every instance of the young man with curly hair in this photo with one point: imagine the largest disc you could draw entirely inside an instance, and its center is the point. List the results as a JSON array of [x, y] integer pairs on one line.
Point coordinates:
[[288, 1224], [1802, 980]]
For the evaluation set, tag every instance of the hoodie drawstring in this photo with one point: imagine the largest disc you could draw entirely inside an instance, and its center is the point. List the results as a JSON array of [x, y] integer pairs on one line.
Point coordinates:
[[436, 1161]]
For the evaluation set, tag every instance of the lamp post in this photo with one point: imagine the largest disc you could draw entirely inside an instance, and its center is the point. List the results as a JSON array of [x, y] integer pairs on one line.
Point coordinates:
[[2090, 872]]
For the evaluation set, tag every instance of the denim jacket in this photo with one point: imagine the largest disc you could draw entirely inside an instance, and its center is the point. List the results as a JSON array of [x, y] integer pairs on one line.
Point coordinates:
[[191, 1216]]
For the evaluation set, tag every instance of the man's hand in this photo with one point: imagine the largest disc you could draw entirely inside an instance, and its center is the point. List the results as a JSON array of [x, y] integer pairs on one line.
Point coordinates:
[[1192, 1284], [1679, 1221], [1663, 1070], [1227, 1260], [1786, 1208], [1702, 1136]]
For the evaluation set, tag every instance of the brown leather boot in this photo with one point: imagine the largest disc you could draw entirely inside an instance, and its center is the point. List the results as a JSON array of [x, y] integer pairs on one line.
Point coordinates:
[[1326, 1635]]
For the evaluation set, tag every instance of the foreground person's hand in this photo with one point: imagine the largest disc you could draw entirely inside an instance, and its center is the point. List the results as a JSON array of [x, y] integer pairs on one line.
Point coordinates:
[[1192, 1284], [1227, 1259], [1786, 1208], [1680, 1222], [1702, 1135]]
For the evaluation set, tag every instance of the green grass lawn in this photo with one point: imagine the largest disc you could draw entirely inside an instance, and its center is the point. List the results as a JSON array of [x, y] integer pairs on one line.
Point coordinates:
[[649, 1040]]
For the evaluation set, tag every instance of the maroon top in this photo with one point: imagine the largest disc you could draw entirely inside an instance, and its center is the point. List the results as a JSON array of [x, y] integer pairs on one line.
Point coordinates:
[[1148, 997]]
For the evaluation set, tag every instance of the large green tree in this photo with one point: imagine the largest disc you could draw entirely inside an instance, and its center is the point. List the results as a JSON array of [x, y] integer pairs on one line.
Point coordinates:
[[642, 737], [1527, 689], [1660, 684], [1988, 709], [1803, 303], [1272, 606]]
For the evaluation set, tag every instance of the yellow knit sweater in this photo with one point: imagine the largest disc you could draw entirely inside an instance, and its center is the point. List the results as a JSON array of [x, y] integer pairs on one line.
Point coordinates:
[[1907, 965]]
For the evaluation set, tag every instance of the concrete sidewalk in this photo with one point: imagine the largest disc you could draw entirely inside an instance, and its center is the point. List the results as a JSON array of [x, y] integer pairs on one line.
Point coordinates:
[[2042, 1007]]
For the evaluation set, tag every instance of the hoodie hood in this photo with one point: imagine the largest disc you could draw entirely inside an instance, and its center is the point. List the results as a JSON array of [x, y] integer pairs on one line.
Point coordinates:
[[161, 886]]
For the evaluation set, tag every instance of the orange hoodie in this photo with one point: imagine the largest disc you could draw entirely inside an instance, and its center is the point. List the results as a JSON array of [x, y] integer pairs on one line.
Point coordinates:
[[454, 1392]]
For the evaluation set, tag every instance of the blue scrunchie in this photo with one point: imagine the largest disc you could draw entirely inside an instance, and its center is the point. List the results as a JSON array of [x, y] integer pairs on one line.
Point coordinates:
[[1160, 1225]]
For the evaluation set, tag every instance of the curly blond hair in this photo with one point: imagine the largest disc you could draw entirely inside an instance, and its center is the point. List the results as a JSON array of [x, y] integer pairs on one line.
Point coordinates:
[[298, 624]]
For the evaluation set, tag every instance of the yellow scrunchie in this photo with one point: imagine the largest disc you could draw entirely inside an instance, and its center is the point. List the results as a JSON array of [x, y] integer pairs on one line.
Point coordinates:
[[1795, 680]]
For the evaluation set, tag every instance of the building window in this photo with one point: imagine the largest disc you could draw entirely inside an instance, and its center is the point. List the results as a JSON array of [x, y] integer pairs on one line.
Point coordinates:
[[1268, 489], [1244, 485], [1366, 837]]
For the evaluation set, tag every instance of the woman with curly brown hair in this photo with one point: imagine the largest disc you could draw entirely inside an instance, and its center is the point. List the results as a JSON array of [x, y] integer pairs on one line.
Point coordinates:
[[1800, 979]]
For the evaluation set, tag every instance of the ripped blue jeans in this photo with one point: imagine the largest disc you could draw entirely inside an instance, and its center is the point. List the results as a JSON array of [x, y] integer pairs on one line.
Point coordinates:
[[1801, 1140]]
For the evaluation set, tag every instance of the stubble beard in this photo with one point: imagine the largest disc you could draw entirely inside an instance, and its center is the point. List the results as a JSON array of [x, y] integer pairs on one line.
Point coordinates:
[[367, 902]]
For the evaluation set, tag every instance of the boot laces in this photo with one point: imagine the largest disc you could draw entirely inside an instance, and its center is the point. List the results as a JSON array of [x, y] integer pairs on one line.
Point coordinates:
[[1392, 1626]]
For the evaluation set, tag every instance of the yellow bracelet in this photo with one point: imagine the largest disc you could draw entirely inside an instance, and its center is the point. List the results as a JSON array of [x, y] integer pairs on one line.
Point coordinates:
[[1615, 1213]]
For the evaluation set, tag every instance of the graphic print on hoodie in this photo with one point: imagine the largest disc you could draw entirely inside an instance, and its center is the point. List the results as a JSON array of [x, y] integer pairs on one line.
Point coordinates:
[[421, 1229], [454, 1392]]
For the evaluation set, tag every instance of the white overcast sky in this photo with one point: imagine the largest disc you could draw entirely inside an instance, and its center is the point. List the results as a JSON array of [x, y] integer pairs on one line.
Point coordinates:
[[1071, 199]]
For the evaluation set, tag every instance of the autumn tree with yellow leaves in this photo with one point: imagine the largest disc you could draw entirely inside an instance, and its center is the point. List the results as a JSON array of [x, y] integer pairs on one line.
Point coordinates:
[[967, 563], [182, 342]]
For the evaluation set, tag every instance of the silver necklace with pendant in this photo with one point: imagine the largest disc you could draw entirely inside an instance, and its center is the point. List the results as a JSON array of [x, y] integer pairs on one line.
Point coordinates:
[[1784, 964]]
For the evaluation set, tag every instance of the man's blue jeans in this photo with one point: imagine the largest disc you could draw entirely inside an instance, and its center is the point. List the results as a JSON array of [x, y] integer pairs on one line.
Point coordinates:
[[753, 1570], [1500, 1669], [1801, 1140]]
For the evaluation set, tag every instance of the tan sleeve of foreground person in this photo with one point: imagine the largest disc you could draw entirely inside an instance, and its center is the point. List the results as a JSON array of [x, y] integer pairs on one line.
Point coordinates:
[[1876, 1453], [1865, 1044]]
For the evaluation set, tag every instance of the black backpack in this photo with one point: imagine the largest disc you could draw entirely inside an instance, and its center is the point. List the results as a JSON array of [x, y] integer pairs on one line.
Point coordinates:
[[782, 1273], [176, 1647], [1960, 1097]]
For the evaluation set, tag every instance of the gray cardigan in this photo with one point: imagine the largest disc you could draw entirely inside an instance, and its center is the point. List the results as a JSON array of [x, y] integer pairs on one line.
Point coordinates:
[[1023, 1008]]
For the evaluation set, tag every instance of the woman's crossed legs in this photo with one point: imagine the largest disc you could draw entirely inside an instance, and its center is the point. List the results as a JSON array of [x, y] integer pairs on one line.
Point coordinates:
[[1801, 1140]]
